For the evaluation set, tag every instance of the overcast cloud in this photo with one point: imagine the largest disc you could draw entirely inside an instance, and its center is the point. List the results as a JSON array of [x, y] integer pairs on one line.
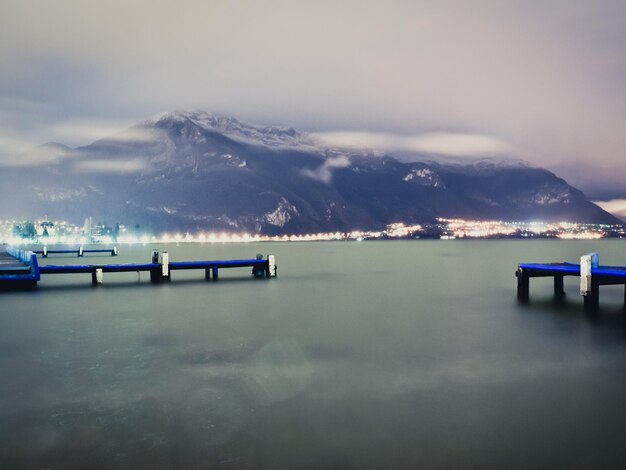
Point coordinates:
[[542, 80]]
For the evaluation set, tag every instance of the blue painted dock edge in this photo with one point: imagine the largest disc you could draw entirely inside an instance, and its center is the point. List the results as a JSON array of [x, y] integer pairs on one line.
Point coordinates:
[[28, 273], [592, 275], [23, 273]]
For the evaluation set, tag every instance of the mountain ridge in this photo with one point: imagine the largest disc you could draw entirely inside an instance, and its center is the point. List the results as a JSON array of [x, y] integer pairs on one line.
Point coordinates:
[[193, 170]]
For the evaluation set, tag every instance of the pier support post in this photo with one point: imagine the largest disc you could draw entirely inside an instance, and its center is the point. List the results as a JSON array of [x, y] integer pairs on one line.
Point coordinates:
[[587, 263], [207, 274], [523, 285], [592, 298], [272, 269], [585, 274], [215, 273], [165, 266], [155, 275], [97, 277], [559, 291], [589, 287], [260, 270]]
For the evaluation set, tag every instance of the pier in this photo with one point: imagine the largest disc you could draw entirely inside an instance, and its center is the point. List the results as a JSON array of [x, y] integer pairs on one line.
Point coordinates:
[[79, 252], [20, 269], [591, 275]]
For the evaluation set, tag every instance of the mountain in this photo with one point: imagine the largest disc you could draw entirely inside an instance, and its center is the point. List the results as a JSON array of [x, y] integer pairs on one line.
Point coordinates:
[[200, 171]]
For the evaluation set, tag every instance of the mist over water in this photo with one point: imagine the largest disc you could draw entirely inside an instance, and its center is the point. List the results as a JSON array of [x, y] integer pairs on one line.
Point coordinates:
[[411, 354]]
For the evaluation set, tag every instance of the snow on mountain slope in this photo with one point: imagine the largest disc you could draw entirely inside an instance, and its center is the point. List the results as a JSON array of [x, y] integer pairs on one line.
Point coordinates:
[[271, 136]]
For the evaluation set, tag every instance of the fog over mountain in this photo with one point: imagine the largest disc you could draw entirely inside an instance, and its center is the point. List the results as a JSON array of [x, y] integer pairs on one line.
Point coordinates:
[[193, 170], [543, 81]]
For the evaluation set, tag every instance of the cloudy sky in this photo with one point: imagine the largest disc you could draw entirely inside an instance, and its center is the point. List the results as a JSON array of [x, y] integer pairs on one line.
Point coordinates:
[[539, 80]]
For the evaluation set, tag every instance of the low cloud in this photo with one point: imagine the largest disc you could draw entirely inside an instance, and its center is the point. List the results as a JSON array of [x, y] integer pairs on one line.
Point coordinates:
[[95, 130], [117, 166], [12, 152], [486, 66], [324, 173], [17, 150], [440, 143], [471, 145], [617, 207]]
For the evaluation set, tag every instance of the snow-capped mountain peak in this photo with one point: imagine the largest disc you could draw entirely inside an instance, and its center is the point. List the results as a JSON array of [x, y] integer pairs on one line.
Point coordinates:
[[271, 136]]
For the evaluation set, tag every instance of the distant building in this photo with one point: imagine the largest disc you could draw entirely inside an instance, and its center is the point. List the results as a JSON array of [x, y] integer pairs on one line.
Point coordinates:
[[87, 227], [46, 229]]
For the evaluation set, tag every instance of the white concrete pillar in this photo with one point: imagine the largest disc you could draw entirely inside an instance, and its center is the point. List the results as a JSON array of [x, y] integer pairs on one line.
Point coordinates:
[[165, 264], [271, 260], [587, 263]]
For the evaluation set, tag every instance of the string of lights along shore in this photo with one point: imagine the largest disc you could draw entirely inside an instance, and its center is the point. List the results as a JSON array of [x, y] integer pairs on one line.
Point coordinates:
[[45, 231]]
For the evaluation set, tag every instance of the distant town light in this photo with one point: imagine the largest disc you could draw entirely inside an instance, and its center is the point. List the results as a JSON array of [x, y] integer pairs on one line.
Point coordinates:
[[62, 232]]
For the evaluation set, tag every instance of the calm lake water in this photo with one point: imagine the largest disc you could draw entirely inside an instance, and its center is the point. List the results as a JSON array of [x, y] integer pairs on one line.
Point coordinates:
[[410, 354]]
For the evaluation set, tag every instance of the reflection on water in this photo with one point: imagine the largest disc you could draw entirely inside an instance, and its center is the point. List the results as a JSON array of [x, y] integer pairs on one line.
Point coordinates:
[[360, 355]]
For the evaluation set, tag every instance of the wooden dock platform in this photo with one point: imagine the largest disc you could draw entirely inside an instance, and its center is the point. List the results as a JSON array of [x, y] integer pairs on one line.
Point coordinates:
[[591, 275], [20, 269]]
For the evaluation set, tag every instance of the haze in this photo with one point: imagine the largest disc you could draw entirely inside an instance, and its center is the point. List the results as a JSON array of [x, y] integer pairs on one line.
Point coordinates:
[[542, 81]]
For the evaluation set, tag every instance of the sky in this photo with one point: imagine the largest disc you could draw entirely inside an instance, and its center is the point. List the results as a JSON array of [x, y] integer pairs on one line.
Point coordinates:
[[544, 81]]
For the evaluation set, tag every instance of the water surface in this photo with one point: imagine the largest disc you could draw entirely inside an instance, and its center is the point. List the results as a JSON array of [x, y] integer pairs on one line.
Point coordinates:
[[410, 354]]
